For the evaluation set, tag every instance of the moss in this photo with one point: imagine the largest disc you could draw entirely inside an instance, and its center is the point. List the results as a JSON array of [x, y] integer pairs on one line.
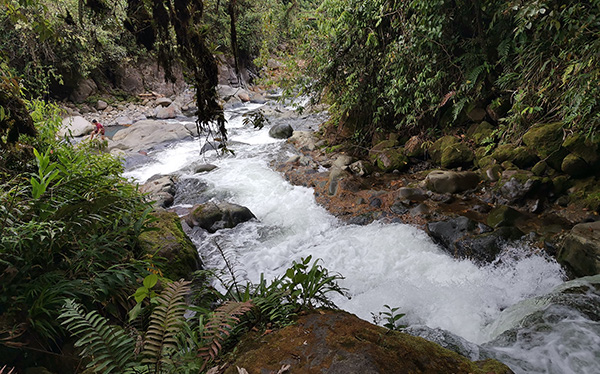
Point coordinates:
[[390, 159], [502, 216], [438, 147], [585, 193], [586, 149], [479, 132], [544, 138], [539, 168], [169, 241], [458, 154], [485, 162], [575, 166]]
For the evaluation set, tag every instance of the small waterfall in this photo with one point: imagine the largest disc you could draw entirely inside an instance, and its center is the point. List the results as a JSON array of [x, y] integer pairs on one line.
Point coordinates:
[[505, 309]]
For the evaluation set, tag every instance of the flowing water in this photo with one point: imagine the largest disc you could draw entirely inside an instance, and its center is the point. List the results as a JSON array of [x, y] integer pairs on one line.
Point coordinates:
[[506, 310]]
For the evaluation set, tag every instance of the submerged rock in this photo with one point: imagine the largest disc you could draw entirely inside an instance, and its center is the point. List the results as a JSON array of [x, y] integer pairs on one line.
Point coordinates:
[[339, 342]]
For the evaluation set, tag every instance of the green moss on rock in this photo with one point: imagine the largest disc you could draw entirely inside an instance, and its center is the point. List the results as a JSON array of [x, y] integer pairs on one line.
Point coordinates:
[[169, 241], [544, 138], [437, 148], [458, 154], [479, 132]]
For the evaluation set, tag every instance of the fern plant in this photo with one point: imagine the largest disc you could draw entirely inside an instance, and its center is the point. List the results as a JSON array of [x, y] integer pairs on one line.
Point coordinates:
[[165, 323], [108, 347], [219, 328]]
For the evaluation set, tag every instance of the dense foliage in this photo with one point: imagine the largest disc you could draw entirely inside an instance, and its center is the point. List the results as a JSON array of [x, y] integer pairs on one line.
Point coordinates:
[[420, 65]]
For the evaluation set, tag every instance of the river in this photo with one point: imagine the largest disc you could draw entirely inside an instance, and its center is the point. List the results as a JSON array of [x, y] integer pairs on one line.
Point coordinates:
[[513, 309]]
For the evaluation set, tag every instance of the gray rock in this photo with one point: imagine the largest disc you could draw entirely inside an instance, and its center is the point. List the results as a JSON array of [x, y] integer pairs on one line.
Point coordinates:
[[464, 238], [123, 120], [412, 194], [205, 168], [163, 101], [361, 168], [580, 250], [161, 189], [144, 135], [441, 181], [213, 217], [304, 140], [78, 126], [170, 111], [101, 105], [342, 162], [84, 89], [282, 131]]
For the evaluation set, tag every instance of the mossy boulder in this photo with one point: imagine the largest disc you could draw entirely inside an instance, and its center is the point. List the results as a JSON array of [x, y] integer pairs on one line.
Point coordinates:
[[437, 148], [580, 250], [479, 132], [520, 156], [575, 166], [587, 149], [502, 216], [169, 241], [414, 147], [540, 168], [585, 193], [544, 138], [455, 155], [448, 181], [388, 159], [485, 162], [328, 341]]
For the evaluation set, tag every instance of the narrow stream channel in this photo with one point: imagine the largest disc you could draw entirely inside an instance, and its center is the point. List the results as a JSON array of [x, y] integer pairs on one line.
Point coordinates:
[[516, 309]]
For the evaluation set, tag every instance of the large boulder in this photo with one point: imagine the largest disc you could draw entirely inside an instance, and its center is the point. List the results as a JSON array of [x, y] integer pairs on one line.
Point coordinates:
[[328, 341], [166, 112], [479, 132], [390, 159], [216, 216], [281, 131], [580, 250], [446, 181], [544, 138], [464, 238], [585, 148], [143, 135], [84, 89], [76, 126], [168, 240]]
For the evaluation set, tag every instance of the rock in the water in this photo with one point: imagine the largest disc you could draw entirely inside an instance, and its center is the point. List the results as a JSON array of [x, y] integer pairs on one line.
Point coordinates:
[[160, 189], [337, 342], [282, 131], [204, 168], [442, 181], [581, 249], [464, 238], [215, 216]]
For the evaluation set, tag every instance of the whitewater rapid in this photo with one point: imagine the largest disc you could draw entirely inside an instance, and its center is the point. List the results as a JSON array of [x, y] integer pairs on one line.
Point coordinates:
[[383, 264]]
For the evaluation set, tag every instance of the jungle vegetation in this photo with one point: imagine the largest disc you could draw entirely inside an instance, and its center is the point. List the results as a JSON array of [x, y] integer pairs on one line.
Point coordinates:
[[72, 272]]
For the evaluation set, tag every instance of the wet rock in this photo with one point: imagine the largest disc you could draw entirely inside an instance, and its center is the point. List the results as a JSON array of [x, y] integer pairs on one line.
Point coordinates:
[[585, 148], [216, 216], [441, 181], [334, 178], [282, 131], [465, 238], [580, 250], [168, 240], [419, 210], [502, 216], [362, 220], [476, 114], [412, 194], [161, 189], [519, 186], [375, 202], [204, 168], [190, 191], [338, 342]]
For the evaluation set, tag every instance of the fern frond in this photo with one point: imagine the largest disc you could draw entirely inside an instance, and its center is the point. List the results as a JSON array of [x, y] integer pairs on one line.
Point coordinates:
[[165, 323], [219, 327], [108, 347]]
